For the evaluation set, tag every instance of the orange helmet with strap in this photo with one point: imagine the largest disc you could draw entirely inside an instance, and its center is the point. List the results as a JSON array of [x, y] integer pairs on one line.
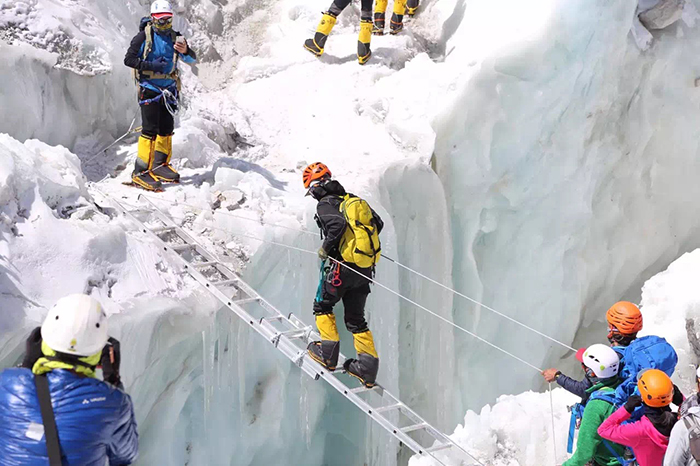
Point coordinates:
[[315, 171], [655, 388], [625, 317]]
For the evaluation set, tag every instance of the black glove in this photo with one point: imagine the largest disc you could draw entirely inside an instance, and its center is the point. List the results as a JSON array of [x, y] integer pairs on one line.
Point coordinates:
[[111, 358], [33, 349], [633, 402], [677, 396], [159, 65]]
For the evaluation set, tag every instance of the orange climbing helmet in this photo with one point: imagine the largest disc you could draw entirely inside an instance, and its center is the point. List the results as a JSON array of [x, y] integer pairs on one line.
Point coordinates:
[[625, 318], [655, 388], [315, 171]]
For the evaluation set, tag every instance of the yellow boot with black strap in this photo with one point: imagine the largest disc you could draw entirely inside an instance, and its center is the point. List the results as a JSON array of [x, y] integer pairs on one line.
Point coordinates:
[[412, 7], [326, 351], [363, 41], [324, 29], [366, 366], [162, 170], [396, 24], [379, 17], [144, 163]]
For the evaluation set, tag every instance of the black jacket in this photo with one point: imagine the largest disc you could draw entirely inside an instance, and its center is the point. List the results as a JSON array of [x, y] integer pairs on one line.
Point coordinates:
[[330, 219]]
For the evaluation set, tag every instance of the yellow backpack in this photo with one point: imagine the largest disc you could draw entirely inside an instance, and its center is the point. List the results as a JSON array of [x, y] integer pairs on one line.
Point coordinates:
[[360, 243]]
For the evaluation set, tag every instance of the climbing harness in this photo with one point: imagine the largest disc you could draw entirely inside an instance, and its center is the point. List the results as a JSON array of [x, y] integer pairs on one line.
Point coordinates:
[[292, 339], [168, 95]]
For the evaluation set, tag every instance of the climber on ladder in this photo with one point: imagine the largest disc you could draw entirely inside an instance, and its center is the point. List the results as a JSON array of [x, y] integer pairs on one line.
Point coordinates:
[[351, 231]]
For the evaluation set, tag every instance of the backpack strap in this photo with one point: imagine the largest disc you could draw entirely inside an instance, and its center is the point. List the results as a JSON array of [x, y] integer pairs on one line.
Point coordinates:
[[148, 48], [691, 423], [53, 447]]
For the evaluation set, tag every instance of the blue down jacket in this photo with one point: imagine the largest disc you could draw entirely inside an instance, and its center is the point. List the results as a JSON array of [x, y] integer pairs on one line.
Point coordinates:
[[95, 420]]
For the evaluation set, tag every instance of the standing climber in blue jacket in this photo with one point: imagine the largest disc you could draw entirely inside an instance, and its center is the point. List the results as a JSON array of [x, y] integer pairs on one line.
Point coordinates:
[[154, 54], [90, 421]]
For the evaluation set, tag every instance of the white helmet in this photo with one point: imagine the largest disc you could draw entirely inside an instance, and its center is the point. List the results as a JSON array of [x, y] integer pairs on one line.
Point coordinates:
[[77, 325], [160, 7], [602, 360]]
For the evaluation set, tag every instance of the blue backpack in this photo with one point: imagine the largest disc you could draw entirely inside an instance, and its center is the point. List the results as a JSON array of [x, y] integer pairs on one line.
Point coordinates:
[[650, 352]]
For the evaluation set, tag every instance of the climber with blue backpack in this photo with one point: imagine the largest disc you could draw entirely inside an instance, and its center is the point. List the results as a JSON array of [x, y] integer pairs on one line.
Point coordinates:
[[624, 322], [154, 54], [601, 365], [648, 437], [350, 229]]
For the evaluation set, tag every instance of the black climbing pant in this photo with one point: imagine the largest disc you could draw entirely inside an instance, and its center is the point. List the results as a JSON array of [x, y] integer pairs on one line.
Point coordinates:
[[350, 287]]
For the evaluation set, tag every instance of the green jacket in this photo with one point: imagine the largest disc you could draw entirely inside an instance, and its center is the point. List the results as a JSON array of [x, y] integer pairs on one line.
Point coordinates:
[[590, 445]]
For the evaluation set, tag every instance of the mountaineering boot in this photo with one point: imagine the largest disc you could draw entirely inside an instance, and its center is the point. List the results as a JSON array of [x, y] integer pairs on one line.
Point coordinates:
[[379, 17], [325, 352], [366, 365], [162, 170], [364, 368], [363, 51], [412, 7], [144, 162], [318, 42], [396, 24]]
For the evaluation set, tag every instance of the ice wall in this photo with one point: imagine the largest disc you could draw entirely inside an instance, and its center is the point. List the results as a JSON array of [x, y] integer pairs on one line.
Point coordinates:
[[569, 163]]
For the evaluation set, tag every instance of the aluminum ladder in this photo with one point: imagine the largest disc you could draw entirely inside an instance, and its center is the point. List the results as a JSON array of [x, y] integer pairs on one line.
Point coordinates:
[[287, 333]]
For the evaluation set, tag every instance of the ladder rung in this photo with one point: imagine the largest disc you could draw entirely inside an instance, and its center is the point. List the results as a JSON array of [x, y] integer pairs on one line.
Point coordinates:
[[225, 282], [442, 446], [384, 409], [414, 427], [240, 302], [202, 265], [182, 247], [271, 319], [139, 211], [360, 390], [159, 230], [290, 334]]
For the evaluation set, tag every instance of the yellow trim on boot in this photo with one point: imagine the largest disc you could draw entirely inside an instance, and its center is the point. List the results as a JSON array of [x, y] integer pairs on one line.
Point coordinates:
[[364, 343], [380, 6], [146, 148], [326, 25], [169, 146], [365, 32], [162, 144], [327, 327], [400, 7]]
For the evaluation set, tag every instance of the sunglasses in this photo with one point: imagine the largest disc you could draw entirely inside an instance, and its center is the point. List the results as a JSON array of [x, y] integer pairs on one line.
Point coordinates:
[[162, 22]]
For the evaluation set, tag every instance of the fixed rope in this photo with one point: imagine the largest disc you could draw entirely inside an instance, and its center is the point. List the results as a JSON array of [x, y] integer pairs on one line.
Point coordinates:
[[551, 408], [129, 131], [399, 295], [399, 264]]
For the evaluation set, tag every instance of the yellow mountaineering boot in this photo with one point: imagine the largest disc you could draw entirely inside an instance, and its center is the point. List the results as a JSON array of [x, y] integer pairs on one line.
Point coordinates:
[[412, 7], [379, 17], [366, 366], [325, 352], [162, 170], [144, 162], [324, 28], [363, 51], [396, 24]]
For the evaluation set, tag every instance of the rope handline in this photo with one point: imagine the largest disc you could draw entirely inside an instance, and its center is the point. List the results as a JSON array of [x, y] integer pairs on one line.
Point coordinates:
[[481, 304], [129, 131], [472, 300], [551, 407], [307, 251]]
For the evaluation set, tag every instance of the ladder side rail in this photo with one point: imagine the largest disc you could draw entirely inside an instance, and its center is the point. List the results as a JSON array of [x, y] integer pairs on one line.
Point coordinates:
[[285, 345]]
